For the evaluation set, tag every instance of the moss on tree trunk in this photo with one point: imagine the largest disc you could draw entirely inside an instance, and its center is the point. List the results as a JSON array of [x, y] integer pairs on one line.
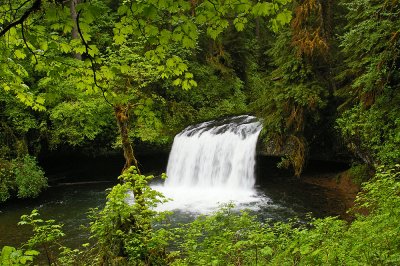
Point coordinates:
[[121, 115]]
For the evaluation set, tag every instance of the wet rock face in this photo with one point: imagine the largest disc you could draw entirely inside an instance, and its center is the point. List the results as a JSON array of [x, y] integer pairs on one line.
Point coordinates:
[[334, 151], [273, 148]]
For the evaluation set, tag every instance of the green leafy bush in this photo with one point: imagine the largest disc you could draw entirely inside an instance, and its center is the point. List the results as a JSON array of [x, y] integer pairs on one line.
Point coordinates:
[[21, 176], [11, 256], [80, 120], [124, 231], [47, 242], [44, 232], [225, 238], [29, 177]]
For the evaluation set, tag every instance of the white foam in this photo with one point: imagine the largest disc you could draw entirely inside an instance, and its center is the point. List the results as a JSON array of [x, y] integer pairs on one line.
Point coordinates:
[[206, 200]]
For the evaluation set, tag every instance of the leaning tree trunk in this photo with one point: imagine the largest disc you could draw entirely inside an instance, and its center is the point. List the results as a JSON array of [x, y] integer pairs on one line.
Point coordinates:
[[121, 114], [126, 225]]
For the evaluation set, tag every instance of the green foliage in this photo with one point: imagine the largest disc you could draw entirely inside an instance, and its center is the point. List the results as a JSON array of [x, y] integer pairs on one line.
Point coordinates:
[[29, 177], [11, 256], [217, 95], [20, 119], [124, 230], [224, 238], [369, 240], [77, 122], [22, 176], [370, 81], [229, 238], [372, 133], [290, 101], [360, 173], [171, 63], [120, 53], [45, 232], [376, 234], [47, 236], [37, 52], [7, 180], [19, 127]]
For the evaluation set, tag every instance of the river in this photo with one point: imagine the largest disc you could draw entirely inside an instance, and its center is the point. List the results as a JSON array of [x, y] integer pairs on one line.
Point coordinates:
[[78, 184]]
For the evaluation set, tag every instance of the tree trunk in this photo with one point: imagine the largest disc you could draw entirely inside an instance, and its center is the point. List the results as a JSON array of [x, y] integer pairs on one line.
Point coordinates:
[[121, 114], [75, 33]]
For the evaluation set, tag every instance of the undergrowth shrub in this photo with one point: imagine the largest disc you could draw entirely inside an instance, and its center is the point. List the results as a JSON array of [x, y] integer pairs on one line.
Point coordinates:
[[225, 238], [124, 230], [11, 256], [45, 246], [29, 177], [21, 177]]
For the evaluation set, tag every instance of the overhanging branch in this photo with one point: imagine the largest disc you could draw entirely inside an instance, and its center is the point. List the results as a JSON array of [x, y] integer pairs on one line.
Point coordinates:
[[26, 42], [36, 6], [92, 63]]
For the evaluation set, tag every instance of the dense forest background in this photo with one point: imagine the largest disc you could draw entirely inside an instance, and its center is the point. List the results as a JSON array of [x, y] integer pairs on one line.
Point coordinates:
[[324, 83], [104, 75]]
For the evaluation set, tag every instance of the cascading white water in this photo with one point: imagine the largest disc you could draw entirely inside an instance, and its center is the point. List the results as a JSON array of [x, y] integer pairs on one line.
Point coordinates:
[[215, 156], [212, 163]]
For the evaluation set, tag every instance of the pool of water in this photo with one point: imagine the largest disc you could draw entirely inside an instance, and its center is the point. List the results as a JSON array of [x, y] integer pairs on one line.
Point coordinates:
[[78, 186]]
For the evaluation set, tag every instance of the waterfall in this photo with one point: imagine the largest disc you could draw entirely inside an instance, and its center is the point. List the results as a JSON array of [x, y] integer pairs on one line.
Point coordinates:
[[213, 163], [215, 155]]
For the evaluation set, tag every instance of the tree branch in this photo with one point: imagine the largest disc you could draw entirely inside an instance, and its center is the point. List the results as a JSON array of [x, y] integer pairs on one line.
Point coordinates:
[[90, 58], [21, 6], [26, 43], [36, 6]]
